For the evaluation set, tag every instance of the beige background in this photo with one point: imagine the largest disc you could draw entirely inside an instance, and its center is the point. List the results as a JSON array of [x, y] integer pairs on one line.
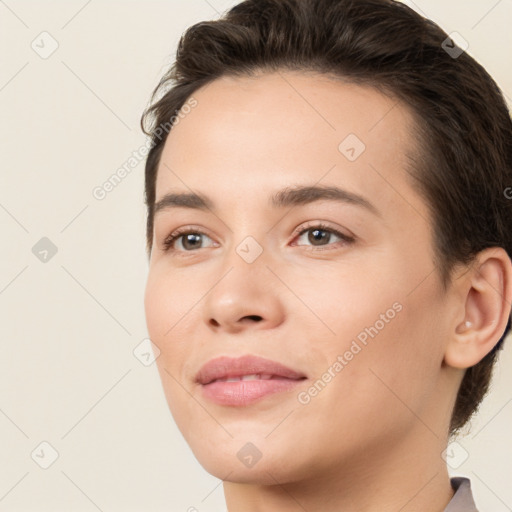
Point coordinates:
[[69, 326]]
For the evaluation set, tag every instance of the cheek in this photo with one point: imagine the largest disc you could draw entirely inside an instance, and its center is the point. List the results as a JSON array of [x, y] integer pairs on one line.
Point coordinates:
[[387, 339], [166, 320], [376, 384], [167, 302], [150, 306], [346, 302]]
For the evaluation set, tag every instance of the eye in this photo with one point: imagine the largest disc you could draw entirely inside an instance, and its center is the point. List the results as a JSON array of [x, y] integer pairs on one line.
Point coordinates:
[[320, 235], [190, 239]]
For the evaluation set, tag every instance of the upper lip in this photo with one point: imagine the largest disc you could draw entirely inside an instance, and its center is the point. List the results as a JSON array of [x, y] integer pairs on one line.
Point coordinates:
[[227, 367]]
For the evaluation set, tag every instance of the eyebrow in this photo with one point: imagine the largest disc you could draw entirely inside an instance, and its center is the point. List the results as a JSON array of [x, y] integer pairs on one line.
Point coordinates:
[[289, 196]]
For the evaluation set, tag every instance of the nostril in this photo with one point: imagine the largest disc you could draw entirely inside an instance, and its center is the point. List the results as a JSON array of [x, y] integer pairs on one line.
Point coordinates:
[[253, 317]]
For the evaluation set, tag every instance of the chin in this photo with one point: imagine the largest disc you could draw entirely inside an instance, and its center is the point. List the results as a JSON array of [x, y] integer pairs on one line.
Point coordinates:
[[240, 461], [262, 473]]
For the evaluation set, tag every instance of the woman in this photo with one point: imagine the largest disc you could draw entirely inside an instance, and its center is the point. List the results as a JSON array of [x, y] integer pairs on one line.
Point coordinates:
[[330, 274]]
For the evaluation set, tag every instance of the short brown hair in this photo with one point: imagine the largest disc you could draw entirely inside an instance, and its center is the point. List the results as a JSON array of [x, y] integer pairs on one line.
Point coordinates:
[[463, 125]]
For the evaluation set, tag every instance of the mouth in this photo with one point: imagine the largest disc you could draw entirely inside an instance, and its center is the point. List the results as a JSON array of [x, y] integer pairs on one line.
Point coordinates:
[[254, 376], [244, 380]]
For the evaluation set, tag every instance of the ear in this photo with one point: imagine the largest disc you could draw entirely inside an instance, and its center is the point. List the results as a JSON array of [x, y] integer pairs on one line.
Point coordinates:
[[485, 291]]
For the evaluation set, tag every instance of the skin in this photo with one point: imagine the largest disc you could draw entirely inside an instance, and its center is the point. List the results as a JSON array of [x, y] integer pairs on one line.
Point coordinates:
[[382, 422]]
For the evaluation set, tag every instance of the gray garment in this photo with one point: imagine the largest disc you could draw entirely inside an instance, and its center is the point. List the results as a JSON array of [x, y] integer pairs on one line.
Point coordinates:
[[462, 500]]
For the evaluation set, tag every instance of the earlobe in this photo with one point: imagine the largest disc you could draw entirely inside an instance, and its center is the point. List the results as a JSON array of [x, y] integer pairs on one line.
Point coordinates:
[[488, 295]]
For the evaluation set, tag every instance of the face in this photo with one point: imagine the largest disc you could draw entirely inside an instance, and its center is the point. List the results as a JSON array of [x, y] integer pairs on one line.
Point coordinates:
[[339, 287]]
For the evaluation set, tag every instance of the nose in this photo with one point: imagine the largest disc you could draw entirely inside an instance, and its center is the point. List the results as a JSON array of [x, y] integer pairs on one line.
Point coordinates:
[[246, 297]]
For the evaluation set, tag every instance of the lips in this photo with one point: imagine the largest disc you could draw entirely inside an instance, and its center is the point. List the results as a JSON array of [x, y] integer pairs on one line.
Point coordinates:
[[239, 382], [245, 368]]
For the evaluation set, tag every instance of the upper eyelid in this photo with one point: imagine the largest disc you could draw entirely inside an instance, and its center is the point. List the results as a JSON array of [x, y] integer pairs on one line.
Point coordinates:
[[322, 224], [303, 227]]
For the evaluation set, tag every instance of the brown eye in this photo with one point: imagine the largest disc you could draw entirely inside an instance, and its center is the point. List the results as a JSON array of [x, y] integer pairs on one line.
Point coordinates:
[[321, 235], [190, 240]]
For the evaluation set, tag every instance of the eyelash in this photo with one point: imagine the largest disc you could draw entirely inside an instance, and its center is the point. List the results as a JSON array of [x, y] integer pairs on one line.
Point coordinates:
[[345, 239]]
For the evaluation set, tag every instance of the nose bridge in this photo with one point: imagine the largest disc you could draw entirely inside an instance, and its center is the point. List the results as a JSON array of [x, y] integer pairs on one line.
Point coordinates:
[[244, 290], [249, 242], [245, 264]]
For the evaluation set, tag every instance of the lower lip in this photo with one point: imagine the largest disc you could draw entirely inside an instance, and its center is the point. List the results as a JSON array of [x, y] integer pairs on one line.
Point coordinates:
[[245, 392]]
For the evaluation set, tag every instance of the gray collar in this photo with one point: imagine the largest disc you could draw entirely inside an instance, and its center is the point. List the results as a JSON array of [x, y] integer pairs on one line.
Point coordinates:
[[462, 500]]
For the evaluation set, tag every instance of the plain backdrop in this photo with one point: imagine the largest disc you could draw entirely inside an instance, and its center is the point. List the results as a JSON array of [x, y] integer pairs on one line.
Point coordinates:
[[76, 393]]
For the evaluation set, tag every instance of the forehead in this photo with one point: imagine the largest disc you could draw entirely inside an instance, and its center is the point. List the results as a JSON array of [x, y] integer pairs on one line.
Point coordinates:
[[251, 135]]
